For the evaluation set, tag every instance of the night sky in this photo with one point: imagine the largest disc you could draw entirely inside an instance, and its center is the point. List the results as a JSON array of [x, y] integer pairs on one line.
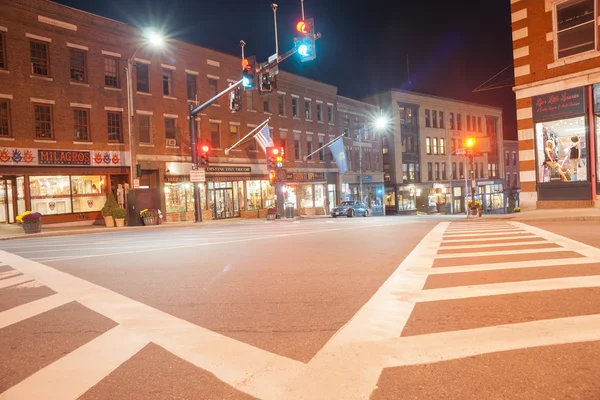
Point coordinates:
[[452, 46]]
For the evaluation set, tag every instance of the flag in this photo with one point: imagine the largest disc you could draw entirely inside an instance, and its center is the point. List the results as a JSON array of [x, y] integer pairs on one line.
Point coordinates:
[[339, 155], [263, 137]]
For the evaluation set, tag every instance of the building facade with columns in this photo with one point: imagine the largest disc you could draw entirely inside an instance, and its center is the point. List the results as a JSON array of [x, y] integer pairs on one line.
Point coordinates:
[[557, 72]]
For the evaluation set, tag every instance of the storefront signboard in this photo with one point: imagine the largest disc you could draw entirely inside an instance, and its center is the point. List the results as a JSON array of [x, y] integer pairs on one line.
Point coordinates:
[[364, 178], [557, 105], [229, 169], [305, 176], [18, 156], [176, 178]]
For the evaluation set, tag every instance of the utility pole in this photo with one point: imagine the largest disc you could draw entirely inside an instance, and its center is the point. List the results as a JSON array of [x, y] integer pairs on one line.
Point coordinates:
[[274, 7], [360, 170]]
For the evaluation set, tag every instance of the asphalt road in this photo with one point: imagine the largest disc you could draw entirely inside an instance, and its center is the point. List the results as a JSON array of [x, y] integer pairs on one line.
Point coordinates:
[[387, 308]]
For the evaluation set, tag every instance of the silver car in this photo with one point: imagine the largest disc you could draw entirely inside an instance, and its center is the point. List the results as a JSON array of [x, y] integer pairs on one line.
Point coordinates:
[[350, 209]]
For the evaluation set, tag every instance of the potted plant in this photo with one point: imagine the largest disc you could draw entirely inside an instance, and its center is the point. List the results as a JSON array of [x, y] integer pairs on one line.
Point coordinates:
[[271, 213], [30, 221], [119, 215], [107, 210], [517, 209], [474, 207], [149, 216]]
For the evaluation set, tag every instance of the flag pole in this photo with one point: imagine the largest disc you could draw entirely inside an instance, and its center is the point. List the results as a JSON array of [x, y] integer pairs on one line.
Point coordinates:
[[325, 145], [252, 133]]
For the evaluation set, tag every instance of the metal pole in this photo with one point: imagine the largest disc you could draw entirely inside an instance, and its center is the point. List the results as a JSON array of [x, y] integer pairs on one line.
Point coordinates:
[[274, 7], [449, 169], [360, 189], [252, 132], [466, 161], [302, 5], [472, 182], [130, 121], [193, 144], [242, 44], [322, 147]]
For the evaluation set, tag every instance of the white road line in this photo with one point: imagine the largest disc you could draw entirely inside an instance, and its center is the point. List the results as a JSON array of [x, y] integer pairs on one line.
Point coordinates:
[[491, 235], [495, 289], [335, 372], [231, 361], [437, 347], [31, 309], [498, 228], [485, 231], [500, 244], [8, 274], [501, 253], [4, 283], [525, 235], [74, 374], [508, 265]]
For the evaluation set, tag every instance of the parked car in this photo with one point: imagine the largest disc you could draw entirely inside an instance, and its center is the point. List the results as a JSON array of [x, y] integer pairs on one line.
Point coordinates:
[[350, 209]]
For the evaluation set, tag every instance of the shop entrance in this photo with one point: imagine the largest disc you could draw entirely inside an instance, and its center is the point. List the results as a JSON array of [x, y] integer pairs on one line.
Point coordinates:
[[12, 198], [224, 204]]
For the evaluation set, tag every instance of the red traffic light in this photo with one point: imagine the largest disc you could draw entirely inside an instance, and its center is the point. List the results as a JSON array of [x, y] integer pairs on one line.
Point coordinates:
[[204, 149], [275, 151], [301, 27], [246, 64]]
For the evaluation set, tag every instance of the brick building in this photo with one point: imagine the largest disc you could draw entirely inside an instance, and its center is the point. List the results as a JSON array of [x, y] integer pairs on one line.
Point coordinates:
[[557, 71], [512, 185], [65, 126], [423, 168]]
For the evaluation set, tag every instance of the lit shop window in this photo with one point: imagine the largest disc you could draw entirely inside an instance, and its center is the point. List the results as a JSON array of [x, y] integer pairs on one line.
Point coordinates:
[[89, 192], [268, 194], [50, 194], [306, 196], [253, 195]]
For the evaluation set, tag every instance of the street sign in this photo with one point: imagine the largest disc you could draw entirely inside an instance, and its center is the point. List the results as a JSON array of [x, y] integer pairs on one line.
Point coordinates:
[[281, 175], [460, 152], [198, 175]]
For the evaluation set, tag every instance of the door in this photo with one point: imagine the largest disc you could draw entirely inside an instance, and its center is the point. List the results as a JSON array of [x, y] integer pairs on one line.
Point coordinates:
[[7, 201], [224, 204]]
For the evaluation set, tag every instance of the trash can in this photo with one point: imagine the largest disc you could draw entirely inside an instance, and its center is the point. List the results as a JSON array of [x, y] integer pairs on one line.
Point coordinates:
[[289, 211]]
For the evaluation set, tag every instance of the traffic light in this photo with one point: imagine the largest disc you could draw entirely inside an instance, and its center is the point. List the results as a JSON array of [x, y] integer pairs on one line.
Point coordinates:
[[235, 100], [272, 153], [204, 155], [272, 178], [305, 43], [249, 72], [470, 145], [279, 158], [268, 82]]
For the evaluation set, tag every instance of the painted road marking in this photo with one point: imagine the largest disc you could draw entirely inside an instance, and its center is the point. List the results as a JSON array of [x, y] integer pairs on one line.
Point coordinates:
[[31, 309], [74, 374], [524, 235], [500, 253], [515, 232], [9, 274], [499, 244], [17, 280]]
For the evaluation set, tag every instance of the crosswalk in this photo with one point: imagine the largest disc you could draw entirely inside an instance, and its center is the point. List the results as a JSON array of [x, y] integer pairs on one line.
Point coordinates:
[[468, 289]]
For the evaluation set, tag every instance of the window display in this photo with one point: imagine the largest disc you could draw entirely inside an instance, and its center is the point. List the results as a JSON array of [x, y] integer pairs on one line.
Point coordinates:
[[253, 195], [319, 195], [562, 150], [179, 197], [50, 194], [89, 192], [268, 194], [306, 196]]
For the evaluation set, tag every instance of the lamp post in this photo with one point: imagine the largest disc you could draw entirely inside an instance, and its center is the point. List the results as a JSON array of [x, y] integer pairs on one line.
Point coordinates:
[[380, 124], [155, 40]]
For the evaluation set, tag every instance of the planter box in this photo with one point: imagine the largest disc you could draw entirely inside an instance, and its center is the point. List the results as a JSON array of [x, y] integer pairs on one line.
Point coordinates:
[[150, 220], [32, 227]]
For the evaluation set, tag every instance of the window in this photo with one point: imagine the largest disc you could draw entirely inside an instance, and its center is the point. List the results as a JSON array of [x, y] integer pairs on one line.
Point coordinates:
[[281, 104], [427, 119], [444, 171], [514, 183], [39, 58], [322, 149], [434, 115], [142, 78], [461, 171], [5, 118], [330, 114], [435, 146], [215, 135], [192, 87], [459, 122], [479, 124], [506, 158], [81, 124], [2, 51], [43, 121], [429, 171], [453, 176], [77, 65], [267, 104], [428, 145], [442, 119], [307, 110], [481, 170], [249, 100], [167, 82], [451, 120], [309, 146], [213, 87], [295, 113], [575, 27], [453, 148], [402, 116], [296, 146], [507, 183], [437, 171], [234, 134], [468, 123], [111, 72], [442, 146], [376, 162], [171, 129], [346, 126], [114, 127], [144, 128], [320, 112], [514, 158], [405, 172]]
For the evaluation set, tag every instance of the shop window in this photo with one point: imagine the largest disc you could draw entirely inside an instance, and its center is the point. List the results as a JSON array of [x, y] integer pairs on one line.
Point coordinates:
[[268, 194], [50, 194], [167, 81], [319, 195], [39, 58], [306, 196], [77, 65], [144, 128], [115, 133], [561, 150], [111, 72], [142, 78], [253, 195], [43, 121], [575, 31], [5, 118], [89, 192], [81, 124], [179, 197]]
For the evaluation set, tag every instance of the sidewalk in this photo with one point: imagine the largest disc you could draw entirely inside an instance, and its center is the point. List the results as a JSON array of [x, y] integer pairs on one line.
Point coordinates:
[[558, 215]]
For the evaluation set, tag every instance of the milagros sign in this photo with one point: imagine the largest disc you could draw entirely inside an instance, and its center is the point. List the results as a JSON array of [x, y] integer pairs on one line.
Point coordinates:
[[558, 105], [18, 156]]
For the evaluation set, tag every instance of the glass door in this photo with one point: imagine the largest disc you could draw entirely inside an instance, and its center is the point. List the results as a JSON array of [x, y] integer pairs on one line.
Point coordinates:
[[3, 202], [10, 204], [224, 203]]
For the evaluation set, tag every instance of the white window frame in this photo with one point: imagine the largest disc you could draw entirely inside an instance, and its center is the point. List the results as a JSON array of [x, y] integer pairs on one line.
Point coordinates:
[[555, 4]]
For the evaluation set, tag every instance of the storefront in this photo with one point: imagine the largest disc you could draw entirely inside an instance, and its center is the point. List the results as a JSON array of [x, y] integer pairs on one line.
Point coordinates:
[[309, 193], [373, 191], [491, 195], [562, 150], [62, 185]]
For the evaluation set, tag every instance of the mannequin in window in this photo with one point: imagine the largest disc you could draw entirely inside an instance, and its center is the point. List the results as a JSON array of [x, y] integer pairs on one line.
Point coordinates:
[[575, 154], [551, 162]]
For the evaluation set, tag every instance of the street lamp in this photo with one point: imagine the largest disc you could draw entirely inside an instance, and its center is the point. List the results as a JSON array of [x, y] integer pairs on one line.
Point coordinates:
[[380, 123], [156, 40]]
